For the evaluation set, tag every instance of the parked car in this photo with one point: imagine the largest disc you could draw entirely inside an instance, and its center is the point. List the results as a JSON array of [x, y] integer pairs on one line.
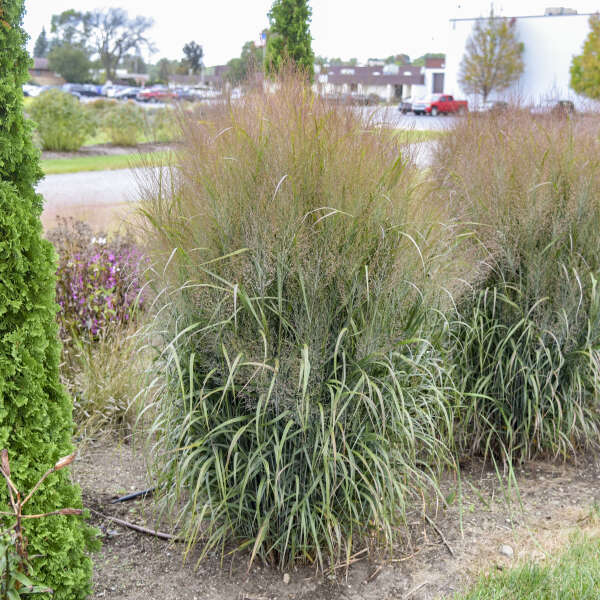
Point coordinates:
[[81, 89], [30, 90], [494, 106], [439, 104], [553, 107], [185, 94], [156, 95], [563, 108], [128, 93], [405, 105], [34, 90]]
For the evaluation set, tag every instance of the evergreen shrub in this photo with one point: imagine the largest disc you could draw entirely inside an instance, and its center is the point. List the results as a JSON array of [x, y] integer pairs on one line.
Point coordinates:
[[35, 413]]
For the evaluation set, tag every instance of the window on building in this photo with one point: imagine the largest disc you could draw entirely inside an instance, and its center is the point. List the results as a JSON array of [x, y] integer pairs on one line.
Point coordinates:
[[438, 83]]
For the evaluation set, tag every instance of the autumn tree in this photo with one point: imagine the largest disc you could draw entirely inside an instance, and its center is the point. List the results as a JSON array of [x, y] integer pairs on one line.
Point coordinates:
[[493, 57], [585, 68], [289, 37]]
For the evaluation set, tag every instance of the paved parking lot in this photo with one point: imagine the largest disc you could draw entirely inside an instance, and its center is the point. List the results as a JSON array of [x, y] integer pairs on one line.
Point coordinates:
[[391, 115]]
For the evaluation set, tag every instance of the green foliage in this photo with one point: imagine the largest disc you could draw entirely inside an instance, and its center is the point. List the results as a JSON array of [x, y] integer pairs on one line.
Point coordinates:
[[398, 59], [193, 53], [585, 68], [35, 412], [15, 579], [161, 72], [289, 37], [493, 57], [300, 409], [107, 35], [124, 123], [40, 50], [420, 61], [572, 575], [249, 62], [524, 336], [62, 123], [162, 124], [71, 62]]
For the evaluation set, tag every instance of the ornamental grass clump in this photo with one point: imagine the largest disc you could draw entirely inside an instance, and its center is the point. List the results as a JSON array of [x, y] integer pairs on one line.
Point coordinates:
[[62, 123], [35, 411], [525, 335], [123, 123], [299, 408]]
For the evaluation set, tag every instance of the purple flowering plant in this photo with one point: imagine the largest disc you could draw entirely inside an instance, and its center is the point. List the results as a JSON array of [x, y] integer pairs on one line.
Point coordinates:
[[99, 278]]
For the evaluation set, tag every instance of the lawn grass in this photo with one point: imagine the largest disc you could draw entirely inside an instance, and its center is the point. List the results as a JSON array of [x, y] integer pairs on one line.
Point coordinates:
[[55, 166], [416, 136], [572, 575], [101, 137]]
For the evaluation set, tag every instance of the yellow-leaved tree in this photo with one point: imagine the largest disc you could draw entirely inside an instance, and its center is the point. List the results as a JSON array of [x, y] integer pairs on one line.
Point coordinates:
[[493, 58], [585, 68]]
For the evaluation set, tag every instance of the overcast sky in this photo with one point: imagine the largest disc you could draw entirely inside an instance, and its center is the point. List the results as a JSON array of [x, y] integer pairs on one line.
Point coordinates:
[[340, 28]]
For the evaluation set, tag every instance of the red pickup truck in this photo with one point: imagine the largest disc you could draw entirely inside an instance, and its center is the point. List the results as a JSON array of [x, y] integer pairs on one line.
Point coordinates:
[[439, 104]]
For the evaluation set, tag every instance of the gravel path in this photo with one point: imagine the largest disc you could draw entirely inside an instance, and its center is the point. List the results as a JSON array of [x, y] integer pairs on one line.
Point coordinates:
[[89, 188]]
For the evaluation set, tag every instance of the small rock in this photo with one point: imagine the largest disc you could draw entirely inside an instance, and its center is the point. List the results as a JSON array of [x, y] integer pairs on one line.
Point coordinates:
[[507, 551], [286, 578]]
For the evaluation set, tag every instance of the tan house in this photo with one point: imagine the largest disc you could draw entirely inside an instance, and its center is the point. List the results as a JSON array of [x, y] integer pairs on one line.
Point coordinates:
[[41, 75]]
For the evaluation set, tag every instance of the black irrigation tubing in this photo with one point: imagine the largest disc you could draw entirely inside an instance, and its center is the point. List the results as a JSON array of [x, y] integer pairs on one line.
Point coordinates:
[[134, 495]]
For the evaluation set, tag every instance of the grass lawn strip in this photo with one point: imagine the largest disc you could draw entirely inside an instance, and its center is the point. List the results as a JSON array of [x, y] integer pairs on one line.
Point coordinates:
[[54, 166], [573, 574]]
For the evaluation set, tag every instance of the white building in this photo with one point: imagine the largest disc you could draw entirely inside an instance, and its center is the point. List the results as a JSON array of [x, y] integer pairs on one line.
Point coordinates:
[[550, 42]]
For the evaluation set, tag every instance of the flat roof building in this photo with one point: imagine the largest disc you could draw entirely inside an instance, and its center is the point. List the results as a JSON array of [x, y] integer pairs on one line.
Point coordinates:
[[550, 42]]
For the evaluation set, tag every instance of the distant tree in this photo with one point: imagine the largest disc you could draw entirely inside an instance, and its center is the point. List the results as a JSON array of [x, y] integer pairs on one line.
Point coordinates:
[[585, 68], [493, 57], [250, 60], [193, 53], [398, 59], [134, 63], [40, 50], [290, 37], [323, 60], [161, 72], [67, 28], [420, 61], [107, 34], [70, 62]]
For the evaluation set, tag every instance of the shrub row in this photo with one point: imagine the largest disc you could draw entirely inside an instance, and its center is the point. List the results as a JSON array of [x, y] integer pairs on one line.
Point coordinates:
[[64, 124]]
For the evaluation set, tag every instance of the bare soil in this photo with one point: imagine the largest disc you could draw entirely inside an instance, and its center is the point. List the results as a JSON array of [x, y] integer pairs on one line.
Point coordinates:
[[437, 560]]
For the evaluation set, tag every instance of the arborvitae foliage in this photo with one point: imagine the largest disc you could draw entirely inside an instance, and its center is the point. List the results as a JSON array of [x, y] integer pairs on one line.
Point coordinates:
[[585, 68], [289, 37], [493, 57], [35, 412]]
